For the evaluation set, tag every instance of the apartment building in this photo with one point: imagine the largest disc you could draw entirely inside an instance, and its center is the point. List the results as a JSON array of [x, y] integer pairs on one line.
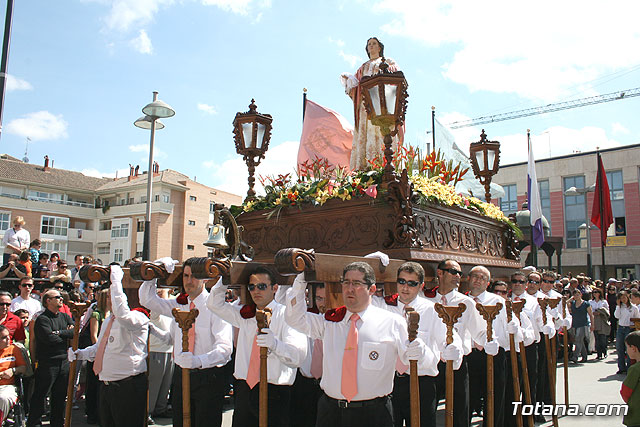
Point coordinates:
[[77, 214], [569, 214]]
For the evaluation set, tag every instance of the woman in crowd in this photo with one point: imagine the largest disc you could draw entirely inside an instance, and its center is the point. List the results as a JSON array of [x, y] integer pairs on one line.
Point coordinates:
[[581, 315], [625, 311], [612, 300], [602, 326]]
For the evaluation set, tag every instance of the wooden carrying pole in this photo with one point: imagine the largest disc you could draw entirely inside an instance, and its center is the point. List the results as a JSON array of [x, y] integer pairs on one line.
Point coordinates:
[[489, 313], [263, 318], [544, 303], [413, 319], [77, 309], [565, 353], [517, 306], [553, 303], [449, 315], [514, 365], [185, 320]]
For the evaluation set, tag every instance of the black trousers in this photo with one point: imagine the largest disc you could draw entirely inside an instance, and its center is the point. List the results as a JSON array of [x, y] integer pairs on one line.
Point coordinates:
[[305, 393], [543, 391], [401, 400], [460, 392], [510, 397], [477, 364], [123, 403], [91, 393], [247, 405], [207, 396], [375, 413], [50, 376]]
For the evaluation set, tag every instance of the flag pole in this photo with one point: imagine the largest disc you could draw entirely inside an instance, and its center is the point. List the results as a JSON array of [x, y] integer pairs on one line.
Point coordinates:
[[433, 126], [304, 102], [603, 237], [534, 248]]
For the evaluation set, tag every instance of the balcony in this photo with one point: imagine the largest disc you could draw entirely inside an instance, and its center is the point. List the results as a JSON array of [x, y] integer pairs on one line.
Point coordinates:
[[60, 209], [80, 235], [135, 209]]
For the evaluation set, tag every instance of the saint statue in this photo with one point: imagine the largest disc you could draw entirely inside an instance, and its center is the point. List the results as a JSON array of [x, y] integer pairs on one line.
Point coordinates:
[[368, 141]]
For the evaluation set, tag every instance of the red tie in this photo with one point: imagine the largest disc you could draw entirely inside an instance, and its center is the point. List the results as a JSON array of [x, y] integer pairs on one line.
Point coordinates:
[[253, 373], [316, 360], [350, 361], [192, 331], [517, 298], [97, 363]]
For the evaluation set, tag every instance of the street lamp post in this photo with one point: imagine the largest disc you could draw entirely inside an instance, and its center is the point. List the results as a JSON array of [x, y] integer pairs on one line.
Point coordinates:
[[152, 112], [573, 191]]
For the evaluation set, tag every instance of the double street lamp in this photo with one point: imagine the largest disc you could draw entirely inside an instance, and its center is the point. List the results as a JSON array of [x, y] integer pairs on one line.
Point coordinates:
[[573, 191], [152, 112]]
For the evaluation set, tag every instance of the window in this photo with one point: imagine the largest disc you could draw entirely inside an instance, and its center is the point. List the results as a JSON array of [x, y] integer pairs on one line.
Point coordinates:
[[616, 190], [156, 198], [59, 247], [166, 198], [5, 221], [42, 196], [143, 199], [118, 255], [120, 231], [574, 213], [13, 192], [103, 250], [54, 225], [212, 206], [192, 222], [140, 226], [509, 203], [545, 199], [190, 247], [105, 225], [193, 198]]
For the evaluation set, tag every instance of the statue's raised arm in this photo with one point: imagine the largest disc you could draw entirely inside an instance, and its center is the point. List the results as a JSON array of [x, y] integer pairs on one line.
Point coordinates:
[[367, 138]]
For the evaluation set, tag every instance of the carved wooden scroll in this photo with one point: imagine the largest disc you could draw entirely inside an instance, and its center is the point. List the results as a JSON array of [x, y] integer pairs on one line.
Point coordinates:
[[292, 261]]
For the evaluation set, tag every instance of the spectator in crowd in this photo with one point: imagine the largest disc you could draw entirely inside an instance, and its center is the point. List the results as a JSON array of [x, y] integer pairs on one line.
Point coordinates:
[[581, 317], [62, 274], [10, 320], [34, 251], [25, 259], [625, 311], [24, 317], [612, 300], [160, 364], [40, 267], [12, 269], [78, 284], [601, 326], [16, 239], [52, 329], [11, 363], [24, 300], [53, 262]]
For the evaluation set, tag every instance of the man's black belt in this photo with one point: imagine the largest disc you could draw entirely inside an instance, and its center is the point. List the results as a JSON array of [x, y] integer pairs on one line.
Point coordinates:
[[124, 379], [343, 404]]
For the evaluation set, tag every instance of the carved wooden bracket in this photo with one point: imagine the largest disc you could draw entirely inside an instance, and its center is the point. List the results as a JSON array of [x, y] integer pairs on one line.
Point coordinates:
[[207, 268], [185, 320], [489, 313], [94, 273], [517, 306], [450, 315], [292, 261], [413, 320], [146, 270], [544, 303], [263, 319], [403, 232]]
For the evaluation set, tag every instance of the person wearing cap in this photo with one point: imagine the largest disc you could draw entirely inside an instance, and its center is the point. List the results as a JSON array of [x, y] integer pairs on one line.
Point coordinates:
[[410, 282], [361, 348], [287, 349], [211, 345], [120, 360]]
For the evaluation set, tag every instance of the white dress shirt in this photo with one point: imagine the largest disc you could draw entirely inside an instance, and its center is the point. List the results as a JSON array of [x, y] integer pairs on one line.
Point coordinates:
[[431, 330], [624, 314], [470, 326], [213, 336], [126, 351], [595, 305], [32, 305], [382, 338], [291, 347], [556, 313], [162, 323], [499, 324], [533, 311]]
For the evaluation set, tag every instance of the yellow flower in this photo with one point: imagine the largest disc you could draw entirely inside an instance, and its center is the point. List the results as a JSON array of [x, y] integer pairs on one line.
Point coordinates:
[[248, 207]]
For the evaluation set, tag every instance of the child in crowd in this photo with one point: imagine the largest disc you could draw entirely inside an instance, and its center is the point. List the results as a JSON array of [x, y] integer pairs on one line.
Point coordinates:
[[34, 251], [630, 390]]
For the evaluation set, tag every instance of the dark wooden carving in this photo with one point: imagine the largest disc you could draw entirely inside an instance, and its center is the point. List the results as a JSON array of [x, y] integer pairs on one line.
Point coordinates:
[[94, 273], [403, 233], [147, 270], [207, 268], [292, 261]]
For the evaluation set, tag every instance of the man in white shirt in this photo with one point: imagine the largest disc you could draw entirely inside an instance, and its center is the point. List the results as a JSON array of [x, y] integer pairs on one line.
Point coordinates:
[[212, 347], [361, 346], [119, 358], [24, 300], [160, 363], [471, 328], [287, 350], [410, 281]]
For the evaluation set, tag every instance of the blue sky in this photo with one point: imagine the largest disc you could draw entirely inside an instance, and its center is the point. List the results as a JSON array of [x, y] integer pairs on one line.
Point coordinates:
[[81, 70]]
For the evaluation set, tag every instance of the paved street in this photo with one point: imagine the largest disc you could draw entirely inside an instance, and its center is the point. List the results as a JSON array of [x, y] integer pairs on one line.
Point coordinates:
[[591, 382]]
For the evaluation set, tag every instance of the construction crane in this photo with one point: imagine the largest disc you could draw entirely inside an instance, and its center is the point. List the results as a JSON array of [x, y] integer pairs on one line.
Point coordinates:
[[613, 96]]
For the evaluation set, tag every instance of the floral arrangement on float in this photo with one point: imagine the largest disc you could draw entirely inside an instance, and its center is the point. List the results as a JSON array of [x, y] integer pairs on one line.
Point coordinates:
[[433, 178]]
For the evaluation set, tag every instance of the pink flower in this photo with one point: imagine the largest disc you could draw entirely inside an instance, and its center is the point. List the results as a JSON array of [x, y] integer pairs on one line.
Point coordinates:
[[372, 191]]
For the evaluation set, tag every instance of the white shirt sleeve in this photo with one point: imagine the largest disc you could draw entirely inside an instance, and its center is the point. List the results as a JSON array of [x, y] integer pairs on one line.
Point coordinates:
[[150, 299], [296, 316]]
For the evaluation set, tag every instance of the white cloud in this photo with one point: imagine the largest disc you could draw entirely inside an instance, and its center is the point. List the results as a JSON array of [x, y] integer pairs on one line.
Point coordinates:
[[337, 42], [209, 109], [618, 128], [240, 7], [539, 50], [15, 83], [142, 43], [41, 125], [352, 60], [126, 14], [552, 142], [97, 174], [231, 175], [144, 148]]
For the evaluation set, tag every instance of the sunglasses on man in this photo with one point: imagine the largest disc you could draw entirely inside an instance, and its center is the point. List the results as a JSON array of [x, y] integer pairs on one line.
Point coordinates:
[[260, 286], [452, 271], [410, 283]]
